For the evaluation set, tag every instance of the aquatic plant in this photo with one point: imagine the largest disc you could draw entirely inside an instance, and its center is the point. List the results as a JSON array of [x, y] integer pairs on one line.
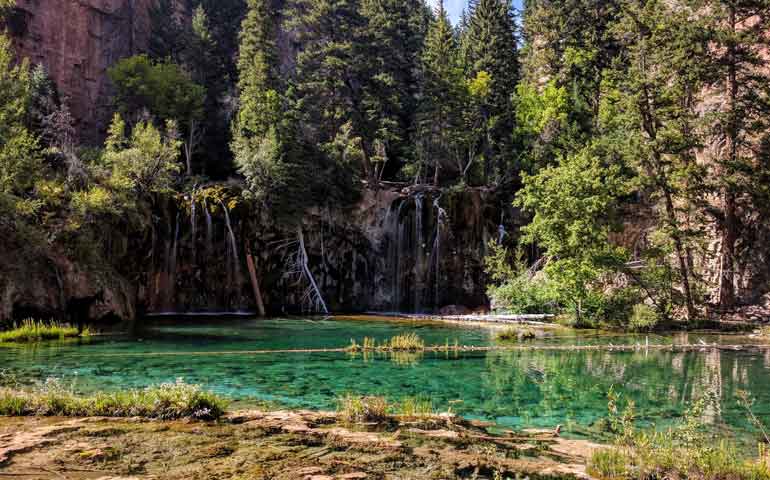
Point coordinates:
[[408, 342], [682, 451], [35, 331], [354, 408], [516, 333], [415, 407], [165, 401], [405, 342]]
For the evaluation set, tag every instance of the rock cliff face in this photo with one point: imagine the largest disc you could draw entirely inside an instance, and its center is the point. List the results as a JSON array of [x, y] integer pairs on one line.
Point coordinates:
[[77, 41], [407, 250]]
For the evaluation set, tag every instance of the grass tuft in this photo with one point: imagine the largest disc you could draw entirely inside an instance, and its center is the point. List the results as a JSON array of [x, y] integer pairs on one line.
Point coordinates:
[[518, 334], [409, 342], [37, 331], [166, 402], [354, 408]]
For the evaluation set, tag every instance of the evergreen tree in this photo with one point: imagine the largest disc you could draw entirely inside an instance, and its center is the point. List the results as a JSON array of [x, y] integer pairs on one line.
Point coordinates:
[[19, 152], [395, 32], [650, 108], [439, 117], [256, 143], [492, 48], [571, 42], [329, 85], [740, 121]]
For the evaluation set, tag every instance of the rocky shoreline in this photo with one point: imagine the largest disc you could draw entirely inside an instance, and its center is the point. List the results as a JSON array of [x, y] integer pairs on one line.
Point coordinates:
[[281, 445]]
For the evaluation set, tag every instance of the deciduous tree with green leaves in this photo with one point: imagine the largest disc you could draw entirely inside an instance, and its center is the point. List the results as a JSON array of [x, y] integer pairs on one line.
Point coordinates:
[[163, 90]]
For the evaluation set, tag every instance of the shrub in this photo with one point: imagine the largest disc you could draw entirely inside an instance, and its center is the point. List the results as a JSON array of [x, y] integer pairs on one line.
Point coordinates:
[[415, 407], [166, 401], [31, 331], [683, 451], [608, 464], [354, 408], [643, 318], [406, 342], [518, 334]]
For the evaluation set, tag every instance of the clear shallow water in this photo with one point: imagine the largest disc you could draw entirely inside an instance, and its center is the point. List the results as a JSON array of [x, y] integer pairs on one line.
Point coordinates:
[[516, 389]]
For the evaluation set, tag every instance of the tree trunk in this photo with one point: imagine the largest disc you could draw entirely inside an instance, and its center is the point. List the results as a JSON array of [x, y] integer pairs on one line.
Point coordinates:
[[255, 282], [681, 255], [730, 222]]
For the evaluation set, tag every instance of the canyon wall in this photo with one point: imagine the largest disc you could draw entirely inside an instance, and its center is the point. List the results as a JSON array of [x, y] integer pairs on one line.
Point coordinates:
[[77, 41]]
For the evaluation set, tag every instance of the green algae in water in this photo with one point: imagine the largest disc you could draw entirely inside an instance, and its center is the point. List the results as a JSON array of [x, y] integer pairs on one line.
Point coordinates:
[[516, 389]]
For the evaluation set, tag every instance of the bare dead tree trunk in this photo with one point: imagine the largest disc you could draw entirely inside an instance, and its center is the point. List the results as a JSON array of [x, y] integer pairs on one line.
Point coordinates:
[[254, 282], [308, 274]]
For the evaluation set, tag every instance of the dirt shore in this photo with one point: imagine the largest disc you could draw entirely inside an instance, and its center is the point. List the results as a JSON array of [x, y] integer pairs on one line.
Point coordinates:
[[280, 445]]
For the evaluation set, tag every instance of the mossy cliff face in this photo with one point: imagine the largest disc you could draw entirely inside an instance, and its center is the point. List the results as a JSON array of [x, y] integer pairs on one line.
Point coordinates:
[[49, 285], [397, 249]]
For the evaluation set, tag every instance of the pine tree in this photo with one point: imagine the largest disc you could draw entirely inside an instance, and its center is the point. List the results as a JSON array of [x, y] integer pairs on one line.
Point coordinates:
[[571, 43], [395, 31], [440, 107], [492, 48], [256, 143], [650, 109], [329, 88], [740, 77], [19, 152]]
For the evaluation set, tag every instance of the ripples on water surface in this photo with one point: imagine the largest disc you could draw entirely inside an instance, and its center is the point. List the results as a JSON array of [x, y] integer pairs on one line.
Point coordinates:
[[532, 388]]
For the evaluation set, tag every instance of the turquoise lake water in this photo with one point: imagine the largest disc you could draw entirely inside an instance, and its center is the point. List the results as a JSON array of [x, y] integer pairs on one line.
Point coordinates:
[[515, 389]]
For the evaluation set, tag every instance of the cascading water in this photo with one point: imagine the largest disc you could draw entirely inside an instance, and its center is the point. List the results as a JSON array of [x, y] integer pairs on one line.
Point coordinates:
[[193, 239], [172, 263], [398, 232], [209, 230], [419, 254], [233, 245], [436, 253]]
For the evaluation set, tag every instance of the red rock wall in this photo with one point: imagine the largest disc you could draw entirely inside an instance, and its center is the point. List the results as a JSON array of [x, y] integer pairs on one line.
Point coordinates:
[[77, 41]]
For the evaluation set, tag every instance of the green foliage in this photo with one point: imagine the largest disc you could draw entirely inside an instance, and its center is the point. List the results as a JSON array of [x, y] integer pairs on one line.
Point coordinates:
[[573, 206], [644, 318], [20, 159], [439, 117], [513, 287], [354, 408], [36, 331], [608, 464], [166, 402], [163, 89], [682, 451], [145, 162]]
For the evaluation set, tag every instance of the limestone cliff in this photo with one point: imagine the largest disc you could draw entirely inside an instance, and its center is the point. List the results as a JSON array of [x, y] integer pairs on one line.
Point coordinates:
[[77, 41]]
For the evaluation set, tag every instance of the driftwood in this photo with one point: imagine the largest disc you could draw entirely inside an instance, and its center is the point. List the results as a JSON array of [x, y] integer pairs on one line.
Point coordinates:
[[254, 281]]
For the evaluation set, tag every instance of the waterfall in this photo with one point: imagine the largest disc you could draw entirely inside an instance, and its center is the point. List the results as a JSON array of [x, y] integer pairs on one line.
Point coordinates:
[[192, 225], [436, 253], [399, 231], [209, 229], [174, 248], [418, 253], [233, 244], [501, 233]]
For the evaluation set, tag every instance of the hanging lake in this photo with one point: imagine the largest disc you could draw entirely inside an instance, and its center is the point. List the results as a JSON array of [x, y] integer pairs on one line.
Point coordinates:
[[531, 388]]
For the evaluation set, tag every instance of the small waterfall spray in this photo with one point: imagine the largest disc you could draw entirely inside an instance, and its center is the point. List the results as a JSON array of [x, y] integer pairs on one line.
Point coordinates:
[[436, 254], [419, 253], [501, 233], [209, 230], [193, 239], [233, 244], [399, 233]]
